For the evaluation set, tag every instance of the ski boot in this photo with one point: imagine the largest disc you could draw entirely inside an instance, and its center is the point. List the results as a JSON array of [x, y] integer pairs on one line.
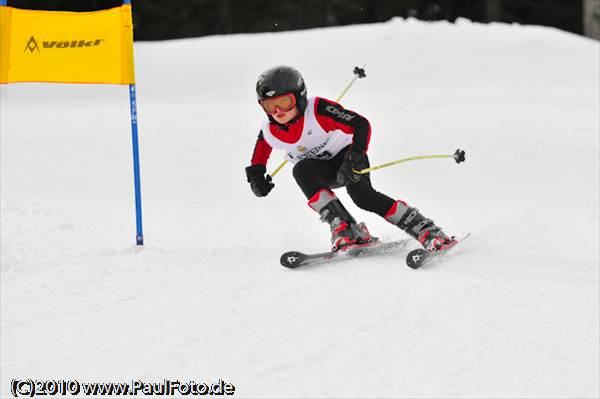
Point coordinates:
[[409, 219], [345, 232]]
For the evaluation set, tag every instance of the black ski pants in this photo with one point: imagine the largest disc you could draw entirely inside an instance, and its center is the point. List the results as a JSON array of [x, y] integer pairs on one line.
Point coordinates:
[[313, 175]]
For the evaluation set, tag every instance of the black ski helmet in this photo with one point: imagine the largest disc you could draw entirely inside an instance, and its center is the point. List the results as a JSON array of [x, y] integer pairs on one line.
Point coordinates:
[[280, 80]]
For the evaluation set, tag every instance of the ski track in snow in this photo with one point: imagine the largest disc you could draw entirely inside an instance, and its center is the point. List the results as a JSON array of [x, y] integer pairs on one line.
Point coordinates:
[[512, 312]]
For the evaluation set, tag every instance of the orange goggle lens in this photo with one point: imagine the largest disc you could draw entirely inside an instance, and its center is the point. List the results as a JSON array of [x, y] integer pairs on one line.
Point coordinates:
[[285, 103]]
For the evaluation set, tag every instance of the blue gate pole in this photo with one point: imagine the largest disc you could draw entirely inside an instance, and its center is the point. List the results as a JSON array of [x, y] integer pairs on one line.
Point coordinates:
[[139, 238]]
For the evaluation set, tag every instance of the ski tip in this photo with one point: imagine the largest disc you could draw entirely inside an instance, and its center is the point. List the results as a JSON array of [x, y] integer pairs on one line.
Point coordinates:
[[292, 260], [415, 258]]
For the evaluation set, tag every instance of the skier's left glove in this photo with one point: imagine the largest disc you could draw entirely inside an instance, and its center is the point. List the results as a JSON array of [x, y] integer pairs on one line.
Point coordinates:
[[260, 185], [353, 160]]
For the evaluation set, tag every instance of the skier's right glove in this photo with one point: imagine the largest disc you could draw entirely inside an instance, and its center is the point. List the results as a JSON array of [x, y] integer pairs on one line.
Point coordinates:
[[260, 185]]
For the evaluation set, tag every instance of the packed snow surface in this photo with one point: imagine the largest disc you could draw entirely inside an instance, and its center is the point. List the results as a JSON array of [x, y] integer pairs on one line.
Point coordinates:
[[513, 312]]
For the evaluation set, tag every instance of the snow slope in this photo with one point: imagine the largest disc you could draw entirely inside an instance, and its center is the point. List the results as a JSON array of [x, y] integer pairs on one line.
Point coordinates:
[[514, 313]]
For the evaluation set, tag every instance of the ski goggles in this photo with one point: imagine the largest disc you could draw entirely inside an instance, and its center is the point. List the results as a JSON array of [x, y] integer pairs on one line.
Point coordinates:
[[284, 102]]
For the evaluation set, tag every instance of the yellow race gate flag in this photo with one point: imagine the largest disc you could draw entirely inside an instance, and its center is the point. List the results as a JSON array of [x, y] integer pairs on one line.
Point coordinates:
[[66, 47], [73, 47]]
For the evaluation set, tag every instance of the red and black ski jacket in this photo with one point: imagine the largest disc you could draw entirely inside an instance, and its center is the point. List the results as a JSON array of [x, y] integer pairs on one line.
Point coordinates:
[[330, 116]]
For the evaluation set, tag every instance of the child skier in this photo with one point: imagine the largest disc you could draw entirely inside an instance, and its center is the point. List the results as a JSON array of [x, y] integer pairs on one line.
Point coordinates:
[[327, 144]]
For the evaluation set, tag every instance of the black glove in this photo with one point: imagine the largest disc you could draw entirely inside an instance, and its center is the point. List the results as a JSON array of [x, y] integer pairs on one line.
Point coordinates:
[[259, 184], [353, 160]]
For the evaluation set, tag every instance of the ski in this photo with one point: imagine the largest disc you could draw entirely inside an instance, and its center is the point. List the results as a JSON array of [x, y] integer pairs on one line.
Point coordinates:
[[418, 257], [295, 259]]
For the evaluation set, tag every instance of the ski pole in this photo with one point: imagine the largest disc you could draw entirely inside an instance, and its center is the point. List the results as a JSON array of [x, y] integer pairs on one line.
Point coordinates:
[[281, 165], [459, 156], [359, 73]]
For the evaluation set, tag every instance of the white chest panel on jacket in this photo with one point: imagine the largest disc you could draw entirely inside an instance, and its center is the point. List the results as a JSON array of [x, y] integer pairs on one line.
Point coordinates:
[[314, 142]]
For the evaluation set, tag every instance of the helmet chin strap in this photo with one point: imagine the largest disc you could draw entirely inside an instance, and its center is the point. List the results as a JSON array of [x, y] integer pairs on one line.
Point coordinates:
[[300, 102], [296, 117]]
